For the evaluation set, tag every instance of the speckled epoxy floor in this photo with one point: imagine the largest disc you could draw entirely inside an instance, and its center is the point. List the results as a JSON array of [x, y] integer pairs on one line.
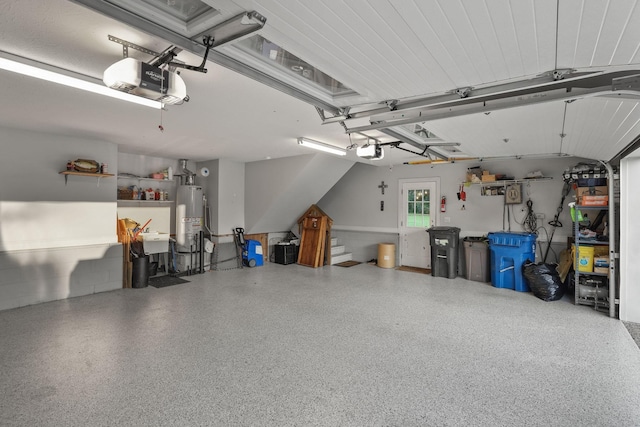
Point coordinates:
[[290, 345]]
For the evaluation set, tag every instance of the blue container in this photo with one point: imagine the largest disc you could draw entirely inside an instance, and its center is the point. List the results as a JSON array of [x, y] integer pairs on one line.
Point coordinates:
[[509, 252], [252, 254]]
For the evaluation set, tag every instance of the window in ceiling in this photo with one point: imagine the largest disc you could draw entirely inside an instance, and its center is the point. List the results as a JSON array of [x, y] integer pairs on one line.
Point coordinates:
[[423, 132], [273, 55], [184, 10], [185, 17]]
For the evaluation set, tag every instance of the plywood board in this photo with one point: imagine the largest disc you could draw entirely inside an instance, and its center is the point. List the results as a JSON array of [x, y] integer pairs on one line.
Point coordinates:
[[313, 241]]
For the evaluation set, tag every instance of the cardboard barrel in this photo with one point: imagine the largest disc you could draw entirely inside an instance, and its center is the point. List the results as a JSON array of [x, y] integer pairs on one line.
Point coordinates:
[[386, 255]]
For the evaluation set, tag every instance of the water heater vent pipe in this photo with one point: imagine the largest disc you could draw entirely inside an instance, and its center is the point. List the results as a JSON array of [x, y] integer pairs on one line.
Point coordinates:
[[188, 176]]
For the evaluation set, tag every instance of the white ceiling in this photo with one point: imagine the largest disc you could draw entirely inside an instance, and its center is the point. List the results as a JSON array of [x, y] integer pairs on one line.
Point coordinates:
[[383, 49]]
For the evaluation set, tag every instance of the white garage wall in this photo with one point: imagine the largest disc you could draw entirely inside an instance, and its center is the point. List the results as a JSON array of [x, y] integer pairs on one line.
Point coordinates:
[[56, 240], [354, 203], [37, 209]]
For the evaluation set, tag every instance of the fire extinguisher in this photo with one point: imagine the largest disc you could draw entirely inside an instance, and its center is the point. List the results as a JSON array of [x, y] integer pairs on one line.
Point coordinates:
[[443, 204]]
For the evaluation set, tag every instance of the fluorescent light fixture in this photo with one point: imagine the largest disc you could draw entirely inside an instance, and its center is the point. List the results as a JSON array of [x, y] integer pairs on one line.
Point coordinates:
[[66, 80], [306, 142]]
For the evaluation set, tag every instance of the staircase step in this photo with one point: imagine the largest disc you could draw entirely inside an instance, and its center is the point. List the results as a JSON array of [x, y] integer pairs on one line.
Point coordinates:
[[335, 250], [347, 256]]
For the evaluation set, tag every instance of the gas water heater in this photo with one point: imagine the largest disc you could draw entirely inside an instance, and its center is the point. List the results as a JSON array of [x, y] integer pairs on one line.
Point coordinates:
[[189, 211], [188, 216]]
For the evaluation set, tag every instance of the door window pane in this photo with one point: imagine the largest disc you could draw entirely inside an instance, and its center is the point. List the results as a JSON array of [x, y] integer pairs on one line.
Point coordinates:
[[411, 217], [418, 208]]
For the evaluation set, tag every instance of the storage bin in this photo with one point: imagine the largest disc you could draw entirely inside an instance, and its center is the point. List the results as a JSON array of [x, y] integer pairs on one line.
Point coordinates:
[[509, 251], [584, 259]]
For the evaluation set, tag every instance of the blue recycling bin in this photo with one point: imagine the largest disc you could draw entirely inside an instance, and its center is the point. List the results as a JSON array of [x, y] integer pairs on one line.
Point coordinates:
[[509, 251]]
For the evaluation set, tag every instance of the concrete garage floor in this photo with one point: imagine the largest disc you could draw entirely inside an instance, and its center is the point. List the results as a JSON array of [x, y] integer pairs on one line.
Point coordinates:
[[634, 330], [290, 345]]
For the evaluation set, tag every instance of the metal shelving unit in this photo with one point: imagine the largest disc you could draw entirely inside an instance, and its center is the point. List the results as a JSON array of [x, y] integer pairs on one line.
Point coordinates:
[[590, 288], [610, 278]]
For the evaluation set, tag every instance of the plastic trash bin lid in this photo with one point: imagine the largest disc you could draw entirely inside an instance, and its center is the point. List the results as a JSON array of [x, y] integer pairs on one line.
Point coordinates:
[[444, 229], [475, 239]]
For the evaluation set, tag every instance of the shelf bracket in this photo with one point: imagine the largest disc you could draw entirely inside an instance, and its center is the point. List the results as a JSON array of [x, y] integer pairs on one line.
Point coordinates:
[[98, 176]]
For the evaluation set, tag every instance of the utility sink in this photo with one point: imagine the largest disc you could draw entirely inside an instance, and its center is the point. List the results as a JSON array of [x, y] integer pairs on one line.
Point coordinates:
[[155, 242]]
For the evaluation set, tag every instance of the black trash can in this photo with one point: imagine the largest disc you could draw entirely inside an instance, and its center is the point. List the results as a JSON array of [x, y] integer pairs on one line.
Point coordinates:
[[444, 251], [140, 276]]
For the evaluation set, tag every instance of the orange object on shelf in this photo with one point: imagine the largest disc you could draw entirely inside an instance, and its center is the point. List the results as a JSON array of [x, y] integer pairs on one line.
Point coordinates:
[[594, 200]]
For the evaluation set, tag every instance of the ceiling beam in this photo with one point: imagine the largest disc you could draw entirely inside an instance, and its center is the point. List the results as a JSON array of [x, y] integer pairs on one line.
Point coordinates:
[[618, 83], [363, 111]]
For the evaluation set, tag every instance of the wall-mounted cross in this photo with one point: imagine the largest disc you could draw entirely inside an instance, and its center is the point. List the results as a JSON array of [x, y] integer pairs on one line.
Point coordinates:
[[382, 186]]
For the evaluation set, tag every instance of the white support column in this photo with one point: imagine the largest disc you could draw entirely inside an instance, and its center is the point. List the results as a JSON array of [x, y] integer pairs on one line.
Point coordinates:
[[629, 241]]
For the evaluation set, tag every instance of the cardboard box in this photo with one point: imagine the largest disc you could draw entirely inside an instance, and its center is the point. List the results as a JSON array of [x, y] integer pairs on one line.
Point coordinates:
[[601, 264], [488, 178], [594, 200], [473, 174], [592, 191], [601, 261], [601, 251]]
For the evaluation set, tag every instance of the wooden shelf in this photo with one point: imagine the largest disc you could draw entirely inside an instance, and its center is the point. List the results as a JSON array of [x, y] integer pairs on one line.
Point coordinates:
[[94, 175]]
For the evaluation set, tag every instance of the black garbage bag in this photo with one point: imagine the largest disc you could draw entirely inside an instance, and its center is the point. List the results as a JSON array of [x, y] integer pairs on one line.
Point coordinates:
[[544, 281]]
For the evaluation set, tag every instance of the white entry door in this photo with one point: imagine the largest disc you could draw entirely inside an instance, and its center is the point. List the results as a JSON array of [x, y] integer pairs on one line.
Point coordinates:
[[418, 213]]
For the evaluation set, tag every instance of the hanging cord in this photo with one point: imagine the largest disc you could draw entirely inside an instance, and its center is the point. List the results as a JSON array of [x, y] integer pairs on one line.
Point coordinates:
[[506, 214], [161, 94], [557, 29], [530, 222], [555, 222]]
